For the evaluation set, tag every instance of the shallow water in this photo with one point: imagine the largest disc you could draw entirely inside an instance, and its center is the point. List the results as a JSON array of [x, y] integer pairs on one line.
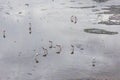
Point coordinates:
[[27, 28]]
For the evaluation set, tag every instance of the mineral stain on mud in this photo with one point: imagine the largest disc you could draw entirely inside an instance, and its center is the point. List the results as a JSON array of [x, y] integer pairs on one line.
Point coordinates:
[[99, 31], [84, 7]]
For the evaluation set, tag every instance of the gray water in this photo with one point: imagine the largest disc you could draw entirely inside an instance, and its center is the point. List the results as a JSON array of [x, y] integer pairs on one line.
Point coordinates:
[[46, 40]]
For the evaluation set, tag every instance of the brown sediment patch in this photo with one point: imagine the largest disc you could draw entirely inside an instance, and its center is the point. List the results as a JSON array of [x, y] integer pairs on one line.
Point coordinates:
[[99, 31], [99, 1], [84, 7], [88, 7]]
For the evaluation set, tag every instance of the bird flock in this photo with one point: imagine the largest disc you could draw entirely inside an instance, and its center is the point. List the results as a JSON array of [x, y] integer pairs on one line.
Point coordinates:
[[59, 50], [58, 47]]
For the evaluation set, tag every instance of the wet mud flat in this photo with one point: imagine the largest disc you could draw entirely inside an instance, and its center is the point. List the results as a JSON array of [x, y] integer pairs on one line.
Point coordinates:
[[49, 40]]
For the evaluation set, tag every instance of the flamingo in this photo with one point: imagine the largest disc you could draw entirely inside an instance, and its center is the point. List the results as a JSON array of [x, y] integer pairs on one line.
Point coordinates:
[[60, 49]]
